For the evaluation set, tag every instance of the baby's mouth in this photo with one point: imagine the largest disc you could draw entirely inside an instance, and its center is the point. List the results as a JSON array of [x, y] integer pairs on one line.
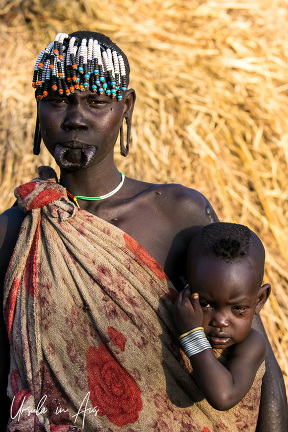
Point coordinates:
[[73, 158]]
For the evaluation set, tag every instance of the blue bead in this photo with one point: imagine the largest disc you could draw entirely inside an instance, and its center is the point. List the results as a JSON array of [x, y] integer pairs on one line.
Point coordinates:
[[86, 84], [102, 79], [104, 85], [101, 90], [124, 88], [80, 69], [96, 71], [94, 87], [86, 76], [119, 97], [97, 82], [113, 91], [113, 83]]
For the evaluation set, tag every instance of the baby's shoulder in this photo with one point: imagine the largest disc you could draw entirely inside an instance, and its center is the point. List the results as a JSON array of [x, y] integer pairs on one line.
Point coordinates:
[[254, 345]]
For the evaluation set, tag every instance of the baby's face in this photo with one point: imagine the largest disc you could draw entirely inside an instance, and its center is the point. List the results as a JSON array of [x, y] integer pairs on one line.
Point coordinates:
[[228, 296]]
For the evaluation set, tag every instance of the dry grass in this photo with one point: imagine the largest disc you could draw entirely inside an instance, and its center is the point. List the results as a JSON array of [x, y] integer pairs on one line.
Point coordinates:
[[212, 80]]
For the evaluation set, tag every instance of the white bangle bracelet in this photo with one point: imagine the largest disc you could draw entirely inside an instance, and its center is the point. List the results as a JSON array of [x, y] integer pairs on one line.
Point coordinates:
[[195, 342]]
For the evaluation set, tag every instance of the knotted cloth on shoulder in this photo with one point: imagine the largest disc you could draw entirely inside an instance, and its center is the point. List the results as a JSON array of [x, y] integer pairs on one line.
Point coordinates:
[[93, 343]]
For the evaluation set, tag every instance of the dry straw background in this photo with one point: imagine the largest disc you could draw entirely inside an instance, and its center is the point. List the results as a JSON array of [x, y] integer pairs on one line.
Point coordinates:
[[212, 82]]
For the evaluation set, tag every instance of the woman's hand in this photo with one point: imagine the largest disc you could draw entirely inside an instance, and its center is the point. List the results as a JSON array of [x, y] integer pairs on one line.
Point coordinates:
[[187, 312]]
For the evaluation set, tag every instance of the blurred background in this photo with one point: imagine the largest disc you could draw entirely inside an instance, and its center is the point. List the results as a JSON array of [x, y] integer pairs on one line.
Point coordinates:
[[211, 79]]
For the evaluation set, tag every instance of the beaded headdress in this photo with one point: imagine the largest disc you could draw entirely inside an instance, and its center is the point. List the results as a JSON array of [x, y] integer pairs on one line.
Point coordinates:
[[70, 64]]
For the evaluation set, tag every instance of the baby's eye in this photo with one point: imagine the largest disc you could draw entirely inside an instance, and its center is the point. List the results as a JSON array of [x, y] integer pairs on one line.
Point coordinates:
[[205, 305], [241, 309]]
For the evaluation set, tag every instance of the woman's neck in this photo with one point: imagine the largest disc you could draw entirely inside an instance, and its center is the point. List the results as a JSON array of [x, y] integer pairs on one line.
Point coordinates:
[[91, 181]]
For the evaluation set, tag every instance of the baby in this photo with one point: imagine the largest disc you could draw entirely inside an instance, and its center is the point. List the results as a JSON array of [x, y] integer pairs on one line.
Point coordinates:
[[225, 267]]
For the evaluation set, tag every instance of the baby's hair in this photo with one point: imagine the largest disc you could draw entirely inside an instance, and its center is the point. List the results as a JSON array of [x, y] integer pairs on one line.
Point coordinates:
[[228, 242]]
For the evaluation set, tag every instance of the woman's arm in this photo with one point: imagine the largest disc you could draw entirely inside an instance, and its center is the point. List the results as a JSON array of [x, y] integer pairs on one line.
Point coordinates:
[[10, 223], [273, 413]]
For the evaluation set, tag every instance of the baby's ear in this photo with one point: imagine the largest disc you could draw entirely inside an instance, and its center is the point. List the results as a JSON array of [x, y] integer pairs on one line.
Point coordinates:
[[262, 297]]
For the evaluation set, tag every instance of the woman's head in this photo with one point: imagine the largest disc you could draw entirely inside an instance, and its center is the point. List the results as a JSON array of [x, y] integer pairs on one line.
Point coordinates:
[[81, 63]]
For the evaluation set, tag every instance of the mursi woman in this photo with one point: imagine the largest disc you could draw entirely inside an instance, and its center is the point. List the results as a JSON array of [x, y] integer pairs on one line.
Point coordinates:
[[89, 289]]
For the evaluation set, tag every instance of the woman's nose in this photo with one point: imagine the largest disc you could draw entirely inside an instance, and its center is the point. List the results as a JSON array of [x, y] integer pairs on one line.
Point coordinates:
[[74, 119]]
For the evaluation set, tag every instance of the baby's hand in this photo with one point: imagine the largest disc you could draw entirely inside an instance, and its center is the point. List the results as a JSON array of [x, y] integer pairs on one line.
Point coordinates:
[[187, 312]]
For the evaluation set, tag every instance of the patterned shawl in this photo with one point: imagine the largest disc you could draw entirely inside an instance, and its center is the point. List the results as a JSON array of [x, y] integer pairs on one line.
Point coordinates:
[[93, 343]]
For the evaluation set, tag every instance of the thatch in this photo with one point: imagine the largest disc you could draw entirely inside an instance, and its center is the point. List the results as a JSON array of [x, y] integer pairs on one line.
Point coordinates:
[[211, 78]]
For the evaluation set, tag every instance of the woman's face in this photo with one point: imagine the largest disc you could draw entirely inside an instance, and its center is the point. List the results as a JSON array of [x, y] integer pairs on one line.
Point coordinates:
[[81, 130]]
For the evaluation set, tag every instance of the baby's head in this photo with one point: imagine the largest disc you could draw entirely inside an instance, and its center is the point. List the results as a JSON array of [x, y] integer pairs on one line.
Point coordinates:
[[225, 266]]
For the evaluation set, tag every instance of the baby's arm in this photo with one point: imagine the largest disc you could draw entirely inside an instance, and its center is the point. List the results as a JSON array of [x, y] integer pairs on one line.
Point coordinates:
[[222, 386]]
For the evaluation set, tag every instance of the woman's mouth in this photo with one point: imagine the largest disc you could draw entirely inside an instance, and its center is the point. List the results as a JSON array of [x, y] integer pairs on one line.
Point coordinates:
[[73, 158]]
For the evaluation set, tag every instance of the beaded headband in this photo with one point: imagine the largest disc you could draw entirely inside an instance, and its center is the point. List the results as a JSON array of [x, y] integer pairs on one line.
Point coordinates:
[[70, 64]]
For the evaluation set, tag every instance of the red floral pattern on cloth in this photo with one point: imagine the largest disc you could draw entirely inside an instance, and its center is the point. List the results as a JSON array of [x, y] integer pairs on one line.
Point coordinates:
[[143, 257], [112, 389], [10, 307], [99, 324], [19, 398], [173, 294], [31, 266], [33, 197], [59, 428], [117, 338]]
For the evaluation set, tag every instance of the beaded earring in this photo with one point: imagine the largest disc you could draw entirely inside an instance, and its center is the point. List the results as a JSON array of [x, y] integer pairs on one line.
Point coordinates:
[[124, 150], [37, 138]]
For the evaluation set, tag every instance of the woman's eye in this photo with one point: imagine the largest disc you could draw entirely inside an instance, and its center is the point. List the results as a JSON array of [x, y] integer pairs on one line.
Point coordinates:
[[96, 102], [57, 100]]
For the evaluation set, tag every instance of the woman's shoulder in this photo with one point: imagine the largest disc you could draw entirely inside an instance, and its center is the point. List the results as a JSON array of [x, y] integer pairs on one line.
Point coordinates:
[[181, 200], [11, 220]]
